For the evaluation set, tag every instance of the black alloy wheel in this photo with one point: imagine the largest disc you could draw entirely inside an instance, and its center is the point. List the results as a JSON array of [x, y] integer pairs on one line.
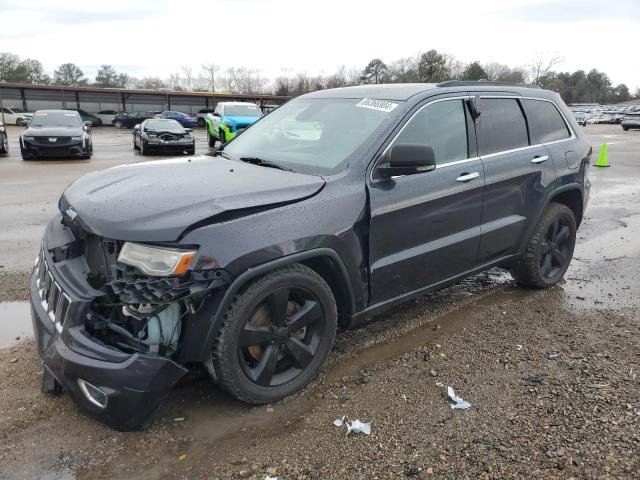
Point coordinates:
[[550, 249], [556, 248], [282, 336], [276, 335]]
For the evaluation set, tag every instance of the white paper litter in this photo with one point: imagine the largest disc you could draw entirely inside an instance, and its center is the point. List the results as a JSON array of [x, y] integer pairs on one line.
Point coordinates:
[[269, 477], [358, 427], [338, 422], [459, 403]]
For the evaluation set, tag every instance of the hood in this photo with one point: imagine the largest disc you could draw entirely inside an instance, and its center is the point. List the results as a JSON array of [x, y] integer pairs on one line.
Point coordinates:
[[157, 201], [239, 120], [53, 131]]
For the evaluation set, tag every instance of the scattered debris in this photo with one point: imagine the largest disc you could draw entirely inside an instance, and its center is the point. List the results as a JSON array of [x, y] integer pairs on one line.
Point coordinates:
[[553, 356], [182, 457], [269, 477], [459, 403], [338, 422], [358, 427], [439, 384], [638, 412], [518, 347], [14, 360], [178, 419]]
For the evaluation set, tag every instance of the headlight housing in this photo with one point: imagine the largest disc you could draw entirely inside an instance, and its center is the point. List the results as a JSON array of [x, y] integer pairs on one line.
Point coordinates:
[[156, 261], [30, 139], [76, 139]]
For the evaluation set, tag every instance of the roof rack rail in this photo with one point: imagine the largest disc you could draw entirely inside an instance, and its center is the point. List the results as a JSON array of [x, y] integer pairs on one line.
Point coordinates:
[[471, 83]]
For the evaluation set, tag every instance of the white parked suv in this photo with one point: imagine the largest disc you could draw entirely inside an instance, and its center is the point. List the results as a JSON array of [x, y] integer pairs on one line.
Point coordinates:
[[15, 116]]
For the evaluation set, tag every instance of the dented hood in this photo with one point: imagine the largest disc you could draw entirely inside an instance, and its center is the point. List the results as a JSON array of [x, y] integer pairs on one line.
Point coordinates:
[[157, 201]]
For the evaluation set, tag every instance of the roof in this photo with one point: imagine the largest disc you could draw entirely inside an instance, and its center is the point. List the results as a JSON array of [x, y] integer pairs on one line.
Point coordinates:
[[404, 91], [381, 91]]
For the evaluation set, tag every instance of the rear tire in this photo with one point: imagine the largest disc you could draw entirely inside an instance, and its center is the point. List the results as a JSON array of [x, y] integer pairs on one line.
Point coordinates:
[[222, 136], [291, 316], [625, 129], [210, 140], [550, 249]]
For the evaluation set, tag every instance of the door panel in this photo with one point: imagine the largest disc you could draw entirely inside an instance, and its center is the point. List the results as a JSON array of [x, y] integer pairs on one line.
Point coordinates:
[[517, 175], [425, 228], [514, 188]]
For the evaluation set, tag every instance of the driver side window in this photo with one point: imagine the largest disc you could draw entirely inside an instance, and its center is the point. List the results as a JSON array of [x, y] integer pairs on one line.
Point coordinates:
[[443, 126]]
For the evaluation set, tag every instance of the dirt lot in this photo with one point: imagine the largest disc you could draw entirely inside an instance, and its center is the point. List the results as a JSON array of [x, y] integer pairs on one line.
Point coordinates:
[[552, 376]]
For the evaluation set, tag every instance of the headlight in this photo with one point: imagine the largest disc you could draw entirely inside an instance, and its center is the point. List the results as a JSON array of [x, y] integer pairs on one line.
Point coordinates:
[[156, 261], [30, 139], [76, 139], [2, 128]]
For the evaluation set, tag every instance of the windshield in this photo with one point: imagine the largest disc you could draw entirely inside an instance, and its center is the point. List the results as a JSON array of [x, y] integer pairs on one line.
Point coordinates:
[[312, 135], [55, 119], [242, 111], [164, 125]]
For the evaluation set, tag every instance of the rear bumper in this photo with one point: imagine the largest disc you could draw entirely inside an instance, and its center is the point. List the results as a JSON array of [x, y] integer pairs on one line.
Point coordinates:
[[130, 388]]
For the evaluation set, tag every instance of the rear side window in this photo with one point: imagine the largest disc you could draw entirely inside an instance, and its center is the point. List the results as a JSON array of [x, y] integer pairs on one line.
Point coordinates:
[[545, 122], [502, 125], [442, 125]]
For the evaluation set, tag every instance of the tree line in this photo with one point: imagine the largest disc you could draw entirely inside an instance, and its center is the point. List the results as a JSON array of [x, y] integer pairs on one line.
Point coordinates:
[[428, 67]]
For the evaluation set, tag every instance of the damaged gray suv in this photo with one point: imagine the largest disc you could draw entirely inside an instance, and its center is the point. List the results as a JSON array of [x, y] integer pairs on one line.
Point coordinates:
[[333, 207]]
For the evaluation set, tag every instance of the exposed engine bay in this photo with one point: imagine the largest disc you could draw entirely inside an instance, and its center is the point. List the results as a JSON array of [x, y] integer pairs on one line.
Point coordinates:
[[138, 313]]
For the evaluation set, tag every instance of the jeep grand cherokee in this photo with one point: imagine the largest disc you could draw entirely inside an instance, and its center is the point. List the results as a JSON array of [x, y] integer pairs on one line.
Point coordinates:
[[335, 206]]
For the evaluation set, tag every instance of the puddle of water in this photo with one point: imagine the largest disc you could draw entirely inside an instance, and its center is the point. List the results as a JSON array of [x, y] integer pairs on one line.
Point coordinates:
[[15, 318]]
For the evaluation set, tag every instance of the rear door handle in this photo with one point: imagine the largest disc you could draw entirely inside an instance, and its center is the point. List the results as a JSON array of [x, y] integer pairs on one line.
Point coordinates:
[[467, 177], [540, 159]]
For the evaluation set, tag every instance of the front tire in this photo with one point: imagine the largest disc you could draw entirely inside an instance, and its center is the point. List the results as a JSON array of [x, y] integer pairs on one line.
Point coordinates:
[[550, 249], [118, 124], [143, 151], [210, 140], [276, 335], [223, 138]]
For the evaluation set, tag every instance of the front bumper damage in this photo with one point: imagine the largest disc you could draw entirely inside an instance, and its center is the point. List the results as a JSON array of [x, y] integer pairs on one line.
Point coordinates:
[[121, 389]]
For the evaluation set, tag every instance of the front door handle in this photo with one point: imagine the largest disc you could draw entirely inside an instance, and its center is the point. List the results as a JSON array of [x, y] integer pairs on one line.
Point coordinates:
[[540, 159], [467, 177]]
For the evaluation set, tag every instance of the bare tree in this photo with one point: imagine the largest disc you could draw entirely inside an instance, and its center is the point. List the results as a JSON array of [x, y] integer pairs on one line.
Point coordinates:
[[175, 82], [187, 70], [245, 80], [209, 71], [541, 65]]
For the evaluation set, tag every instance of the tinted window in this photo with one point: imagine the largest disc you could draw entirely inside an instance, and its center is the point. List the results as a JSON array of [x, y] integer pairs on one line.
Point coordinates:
[[442, 125], [501, 125], [55, 119], [545, 122]]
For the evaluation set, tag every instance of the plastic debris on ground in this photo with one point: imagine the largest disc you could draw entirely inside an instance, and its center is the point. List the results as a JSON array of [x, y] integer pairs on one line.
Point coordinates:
[[358, 427], [269, 477], [458, 403], [338, 422]]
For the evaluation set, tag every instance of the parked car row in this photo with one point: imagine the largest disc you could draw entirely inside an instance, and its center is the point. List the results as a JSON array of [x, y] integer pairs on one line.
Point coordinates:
[[608, 114]]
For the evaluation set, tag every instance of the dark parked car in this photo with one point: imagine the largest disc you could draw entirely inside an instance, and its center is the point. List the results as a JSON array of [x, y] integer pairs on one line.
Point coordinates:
[[184, 119], [87, 117], [248, 260], [4, 140], [202, 115], [56, 134], [128, 120], [630, 120], [160, 135]]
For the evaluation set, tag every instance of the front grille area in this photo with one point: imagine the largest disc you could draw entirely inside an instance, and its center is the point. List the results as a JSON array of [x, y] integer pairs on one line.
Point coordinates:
[[53, 299], [47, 140]]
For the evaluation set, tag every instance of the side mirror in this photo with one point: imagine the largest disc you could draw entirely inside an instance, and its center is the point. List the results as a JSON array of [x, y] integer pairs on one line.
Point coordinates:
[[88, 124], [408, 159], [136, 127]]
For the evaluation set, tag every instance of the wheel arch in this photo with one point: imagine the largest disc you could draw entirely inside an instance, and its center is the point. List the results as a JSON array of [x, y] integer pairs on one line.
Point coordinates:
[[572, 198], [324, 261]]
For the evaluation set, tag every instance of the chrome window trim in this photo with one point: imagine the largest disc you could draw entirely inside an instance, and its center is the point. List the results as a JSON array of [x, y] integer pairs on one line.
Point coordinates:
[[395, 137], [479, 157]]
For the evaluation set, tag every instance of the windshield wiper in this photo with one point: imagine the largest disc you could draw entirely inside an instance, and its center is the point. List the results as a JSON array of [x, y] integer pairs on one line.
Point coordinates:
[[264, 163]]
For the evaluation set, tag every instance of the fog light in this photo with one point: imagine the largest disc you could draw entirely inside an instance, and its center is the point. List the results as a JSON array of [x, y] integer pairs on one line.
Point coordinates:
[[93, 394]]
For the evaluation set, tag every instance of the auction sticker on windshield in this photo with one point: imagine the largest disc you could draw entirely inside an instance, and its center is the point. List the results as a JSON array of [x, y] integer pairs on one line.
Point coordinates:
[[373, 104]]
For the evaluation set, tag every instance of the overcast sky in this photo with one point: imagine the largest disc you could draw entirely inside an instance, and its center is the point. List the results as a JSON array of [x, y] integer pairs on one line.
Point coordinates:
[[155, 37]]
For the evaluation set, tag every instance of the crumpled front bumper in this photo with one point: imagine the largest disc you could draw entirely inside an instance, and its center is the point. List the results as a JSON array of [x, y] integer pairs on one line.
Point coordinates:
[[130, 388]]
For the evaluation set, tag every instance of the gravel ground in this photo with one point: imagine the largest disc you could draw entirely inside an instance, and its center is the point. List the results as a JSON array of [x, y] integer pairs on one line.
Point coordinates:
[[555, 393], [14, 286]]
